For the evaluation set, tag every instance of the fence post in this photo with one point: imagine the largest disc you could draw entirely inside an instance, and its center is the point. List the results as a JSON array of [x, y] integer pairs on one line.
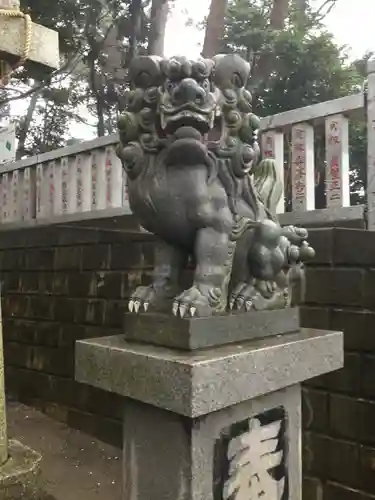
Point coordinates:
[[370, 174]]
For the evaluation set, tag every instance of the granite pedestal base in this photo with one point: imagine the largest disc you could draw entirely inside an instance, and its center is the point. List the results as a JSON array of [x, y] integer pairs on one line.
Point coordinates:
[[222, 423], [20, 474]]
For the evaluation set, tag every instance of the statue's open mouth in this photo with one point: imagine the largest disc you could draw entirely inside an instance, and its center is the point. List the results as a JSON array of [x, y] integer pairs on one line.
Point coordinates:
[[170, 122]]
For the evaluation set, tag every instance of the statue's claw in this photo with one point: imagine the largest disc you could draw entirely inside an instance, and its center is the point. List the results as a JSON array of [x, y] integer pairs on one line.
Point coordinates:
[[248, 305], [134, 305], [182, 309], [142, 298], [137, 305], [175, 308], [257, 296], [192, 303], [242, 297]]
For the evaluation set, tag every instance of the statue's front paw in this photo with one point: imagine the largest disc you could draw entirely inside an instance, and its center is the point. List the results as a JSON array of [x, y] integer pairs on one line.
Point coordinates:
[[299, 249], [195, 302], [253, 296], [300, 253], [242, 297], [142, 298]]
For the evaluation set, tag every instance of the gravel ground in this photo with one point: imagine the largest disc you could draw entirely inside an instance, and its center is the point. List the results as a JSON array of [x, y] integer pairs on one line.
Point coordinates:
[[75, 466]]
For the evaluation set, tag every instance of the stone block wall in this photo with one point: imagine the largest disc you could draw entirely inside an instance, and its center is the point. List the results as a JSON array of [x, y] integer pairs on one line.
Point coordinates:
[[66, 283], [339, 408], [61, 284]]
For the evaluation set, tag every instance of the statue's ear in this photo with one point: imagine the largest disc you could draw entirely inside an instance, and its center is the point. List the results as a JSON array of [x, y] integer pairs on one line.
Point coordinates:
[[145, 71], [230, 71], [202, 68]]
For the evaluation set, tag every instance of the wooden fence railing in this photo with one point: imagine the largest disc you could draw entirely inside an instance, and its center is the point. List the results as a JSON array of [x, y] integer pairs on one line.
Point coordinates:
[[87, 178]]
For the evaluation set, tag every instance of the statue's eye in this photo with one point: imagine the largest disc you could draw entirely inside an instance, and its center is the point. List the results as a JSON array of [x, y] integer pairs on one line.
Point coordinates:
[[170, 86], [206, 85]]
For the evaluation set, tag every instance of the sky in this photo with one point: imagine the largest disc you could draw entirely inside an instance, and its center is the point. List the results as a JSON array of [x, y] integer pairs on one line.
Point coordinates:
[[351, 22]]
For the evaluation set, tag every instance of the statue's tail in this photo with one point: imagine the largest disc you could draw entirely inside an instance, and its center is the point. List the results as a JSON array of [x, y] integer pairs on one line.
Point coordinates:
[[268, 184]]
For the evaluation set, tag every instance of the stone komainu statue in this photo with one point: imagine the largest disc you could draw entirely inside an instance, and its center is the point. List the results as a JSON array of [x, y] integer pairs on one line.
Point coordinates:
[[188, 143]]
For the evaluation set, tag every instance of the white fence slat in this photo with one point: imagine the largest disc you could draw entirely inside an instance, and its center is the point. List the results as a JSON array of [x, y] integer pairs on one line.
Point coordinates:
[[82, 172], [68, 186], [51, 190], [40, 191], [5, 198], [125, 194], [56, 180], [303, 172], [113, 171], [16, 204], [337, 158], [28, 193], [98, 180]]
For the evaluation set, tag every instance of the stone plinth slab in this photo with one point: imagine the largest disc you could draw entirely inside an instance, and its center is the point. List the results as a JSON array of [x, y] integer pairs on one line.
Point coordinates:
[[19, 476], [44, 48], [171, 457], [198, 383], [199, 333]]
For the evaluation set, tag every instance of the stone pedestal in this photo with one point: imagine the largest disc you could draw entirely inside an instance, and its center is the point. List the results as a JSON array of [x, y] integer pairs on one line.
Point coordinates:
[[20, 474], [217, 423]]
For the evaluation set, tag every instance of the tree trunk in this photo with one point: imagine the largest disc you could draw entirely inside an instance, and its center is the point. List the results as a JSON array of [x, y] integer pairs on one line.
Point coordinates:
[[279, 13], [135, 16], [156, 37], [300, 8], [278, 16], [97, 91], [215, 28], [100, 107], [24, 129]]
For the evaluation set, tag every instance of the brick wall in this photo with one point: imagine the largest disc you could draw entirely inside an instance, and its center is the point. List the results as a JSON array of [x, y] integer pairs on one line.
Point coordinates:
[[339, 408], [61, 284]]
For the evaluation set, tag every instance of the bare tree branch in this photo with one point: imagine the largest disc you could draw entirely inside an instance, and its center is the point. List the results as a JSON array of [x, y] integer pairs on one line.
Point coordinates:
[[42, 85], [320, 14]]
